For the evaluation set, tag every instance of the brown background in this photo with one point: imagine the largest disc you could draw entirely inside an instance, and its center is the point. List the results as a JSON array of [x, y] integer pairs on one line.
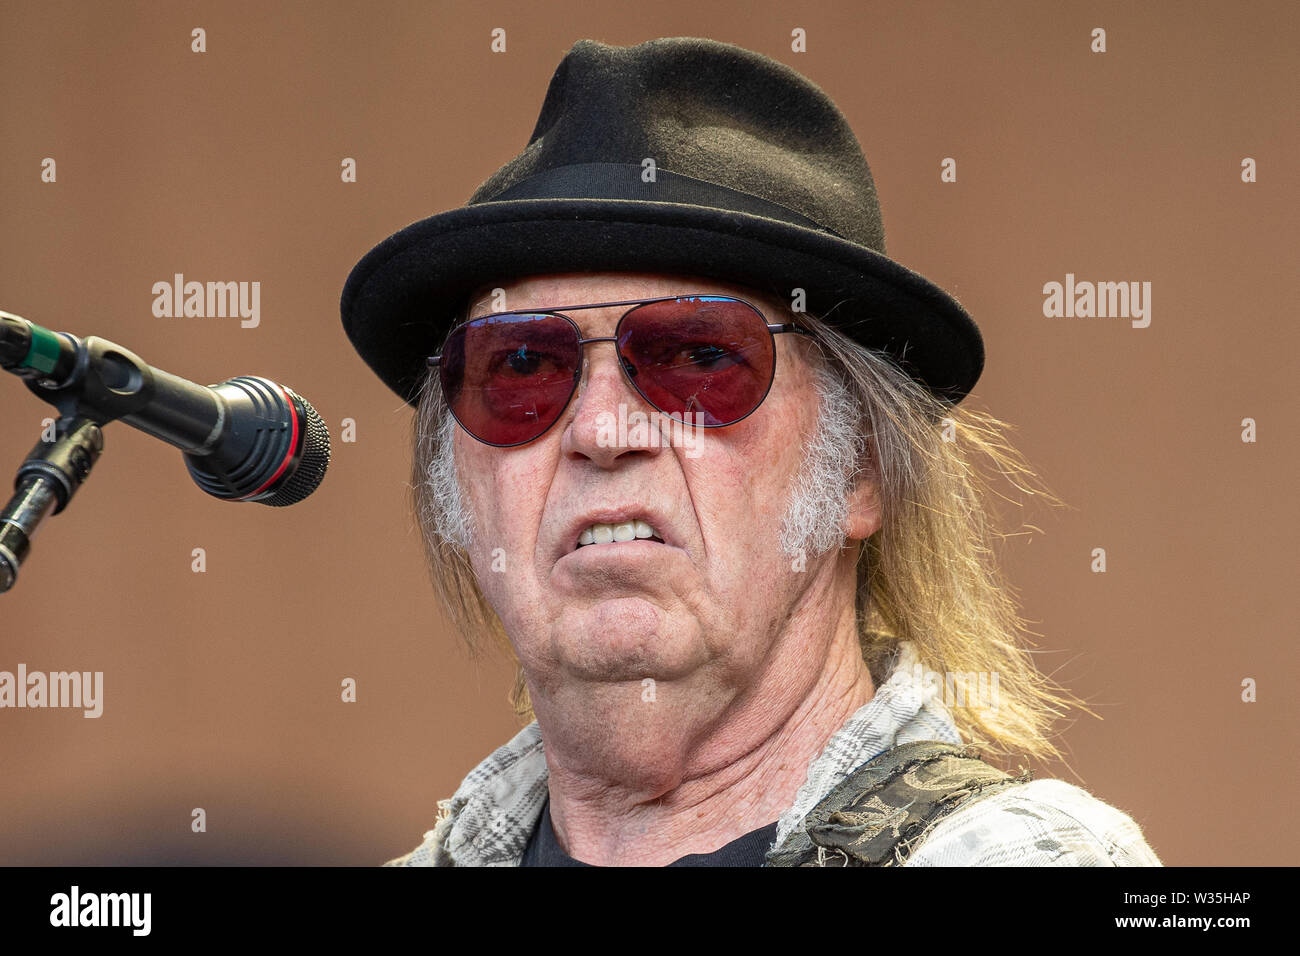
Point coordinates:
[[222, 689]]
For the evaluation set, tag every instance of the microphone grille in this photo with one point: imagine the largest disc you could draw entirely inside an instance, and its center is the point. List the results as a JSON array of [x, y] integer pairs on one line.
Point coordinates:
[[311, 466]]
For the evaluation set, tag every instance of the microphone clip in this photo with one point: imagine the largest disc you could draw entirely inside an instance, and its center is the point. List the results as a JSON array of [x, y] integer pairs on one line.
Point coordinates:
[[102, 381]]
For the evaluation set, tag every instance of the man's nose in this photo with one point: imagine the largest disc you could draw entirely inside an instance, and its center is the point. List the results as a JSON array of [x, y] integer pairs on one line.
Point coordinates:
[[609, 419]]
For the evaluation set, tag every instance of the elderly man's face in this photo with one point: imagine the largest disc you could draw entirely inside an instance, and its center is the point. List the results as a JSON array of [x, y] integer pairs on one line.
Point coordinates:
[[638, 647]]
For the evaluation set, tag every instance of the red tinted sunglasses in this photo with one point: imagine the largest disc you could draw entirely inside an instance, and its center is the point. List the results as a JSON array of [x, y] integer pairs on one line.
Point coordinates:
[[508, 377]]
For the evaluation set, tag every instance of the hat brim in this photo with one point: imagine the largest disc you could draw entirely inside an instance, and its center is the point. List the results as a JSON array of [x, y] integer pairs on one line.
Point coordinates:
[[400, 300]]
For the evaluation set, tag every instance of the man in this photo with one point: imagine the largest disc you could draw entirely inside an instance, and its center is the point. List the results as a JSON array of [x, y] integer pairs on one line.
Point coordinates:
[[689, 443]]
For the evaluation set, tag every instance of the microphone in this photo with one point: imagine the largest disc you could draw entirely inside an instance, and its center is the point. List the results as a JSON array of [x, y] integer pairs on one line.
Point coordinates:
[[244, 439]]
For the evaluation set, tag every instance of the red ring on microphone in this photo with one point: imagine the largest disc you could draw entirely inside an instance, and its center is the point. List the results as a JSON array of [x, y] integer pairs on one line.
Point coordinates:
[[293, 447]]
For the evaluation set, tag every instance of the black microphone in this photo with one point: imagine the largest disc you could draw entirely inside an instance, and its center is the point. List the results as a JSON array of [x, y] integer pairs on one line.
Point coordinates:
[[244, 439]]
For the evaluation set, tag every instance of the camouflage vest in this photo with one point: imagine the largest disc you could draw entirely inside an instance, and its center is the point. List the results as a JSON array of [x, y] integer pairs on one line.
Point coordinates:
[[883, 810]]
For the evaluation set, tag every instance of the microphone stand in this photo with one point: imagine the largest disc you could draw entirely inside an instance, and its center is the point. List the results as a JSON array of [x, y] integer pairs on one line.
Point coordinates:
[[47, 480], [91, 383]]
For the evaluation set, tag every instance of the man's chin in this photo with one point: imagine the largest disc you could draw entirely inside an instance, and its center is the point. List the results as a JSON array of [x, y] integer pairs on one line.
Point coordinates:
[[624, 640]]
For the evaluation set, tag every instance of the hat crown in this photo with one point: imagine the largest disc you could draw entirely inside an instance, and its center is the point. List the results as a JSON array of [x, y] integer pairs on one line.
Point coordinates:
[[709, 111]]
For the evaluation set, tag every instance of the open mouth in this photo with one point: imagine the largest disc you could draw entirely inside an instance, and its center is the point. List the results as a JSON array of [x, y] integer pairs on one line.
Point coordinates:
[[623, 531]]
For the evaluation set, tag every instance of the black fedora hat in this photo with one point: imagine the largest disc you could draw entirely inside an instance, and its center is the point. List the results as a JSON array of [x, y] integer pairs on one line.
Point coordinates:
[[678, 155]]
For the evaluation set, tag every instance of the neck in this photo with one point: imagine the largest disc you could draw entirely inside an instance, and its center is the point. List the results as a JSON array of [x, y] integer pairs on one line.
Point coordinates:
[[743, 769]]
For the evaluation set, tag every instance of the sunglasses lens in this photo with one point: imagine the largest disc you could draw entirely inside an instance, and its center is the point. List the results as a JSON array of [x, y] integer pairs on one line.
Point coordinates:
[[711, 356], [508, 378]]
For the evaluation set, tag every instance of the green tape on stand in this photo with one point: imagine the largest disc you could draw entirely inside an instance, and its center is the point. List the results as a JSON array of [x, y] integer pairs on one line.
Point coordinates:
[[44, 350]]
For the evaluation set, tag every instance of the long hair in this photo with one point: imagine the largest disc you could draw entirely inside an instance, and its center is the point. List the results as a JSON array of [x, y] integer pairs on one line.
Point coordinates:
[[929, 575]]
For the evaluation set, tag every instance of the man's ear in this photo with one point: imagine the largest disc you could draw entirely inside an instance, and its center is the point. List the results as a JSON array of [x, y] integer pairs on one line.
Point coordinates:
[[864, 517]]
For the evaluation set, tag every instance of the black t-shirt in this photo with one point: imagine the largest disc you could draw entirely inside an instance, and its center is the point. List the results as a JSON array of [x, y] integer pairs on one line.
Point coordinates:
[[749, 850]]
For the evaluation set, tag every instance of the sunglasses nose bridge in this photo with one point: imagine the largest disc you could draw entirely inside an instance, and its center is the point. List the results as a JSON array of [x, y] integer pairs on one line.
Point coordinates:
[[627, 368]]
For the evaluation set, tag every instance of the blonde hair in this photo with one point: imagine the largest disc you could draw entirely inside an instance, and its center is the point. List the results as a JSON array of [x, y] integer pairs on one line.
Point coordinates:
[[929, 575]]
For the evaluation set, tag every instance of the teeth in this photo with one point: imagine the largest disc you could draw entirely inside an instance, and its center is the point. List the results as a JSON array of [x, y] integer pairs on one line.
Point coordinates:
[[622, 531]]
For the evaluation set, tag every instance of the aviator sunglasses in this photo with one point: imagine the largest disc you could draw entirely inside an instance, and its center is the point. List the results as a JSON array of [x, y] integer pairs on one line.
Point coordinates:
[[707, 360]]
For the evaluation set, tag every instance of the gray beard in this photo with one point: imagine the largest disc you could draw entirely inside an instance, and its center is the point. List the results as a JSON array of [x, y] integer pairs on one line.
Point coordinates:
[[814, 520]]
